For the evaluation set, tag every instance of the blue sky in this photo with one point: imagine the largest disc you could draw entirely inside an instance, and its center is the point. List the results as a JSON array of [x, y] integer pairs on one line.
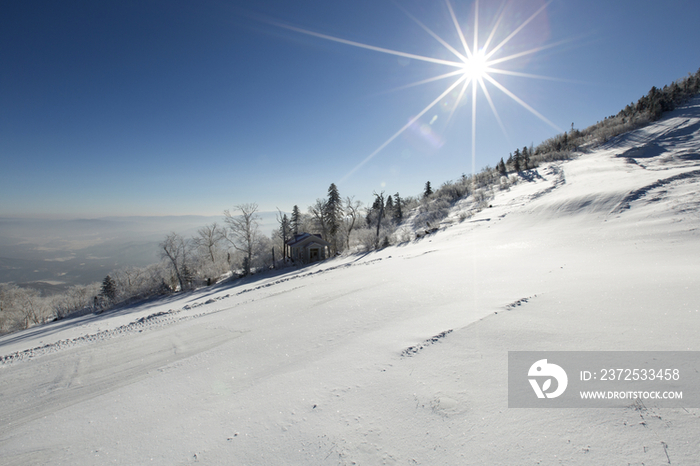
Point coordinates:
[[183, 107]]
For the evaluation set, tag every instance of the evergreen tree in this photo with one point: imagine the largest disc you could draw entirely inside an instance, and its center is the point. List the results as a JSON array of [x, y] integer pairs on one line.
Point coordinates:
[[526, 158], [285, 232], [501, 167], [428, 190], [334, 215], [295, 221], [109, 289], [516, 160], [379, 201], [389, 207], [398, 214]]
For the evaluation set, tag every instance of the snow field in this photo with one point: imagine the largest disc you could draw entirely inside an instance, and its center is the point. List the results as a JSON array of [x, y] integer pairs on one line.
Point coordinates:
[[398, 356]]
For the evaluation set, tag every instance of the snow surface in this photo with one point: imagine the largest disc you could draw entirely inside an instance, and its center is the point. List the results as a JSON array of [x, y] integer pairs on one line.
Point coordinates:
[[398, 356]]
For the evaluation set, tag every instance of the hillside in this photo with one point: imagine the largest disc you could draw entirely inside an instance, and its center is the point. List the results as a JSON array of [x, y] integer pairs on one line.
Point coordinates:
[[398, 356]]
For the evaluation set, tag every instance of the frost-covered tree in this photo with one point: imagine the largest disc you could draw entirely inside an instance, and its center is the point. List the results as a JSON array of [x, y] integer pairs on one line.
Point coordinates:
[[242, 232], [284, 231], [209, 238], [175, 249], [21, 308], [333, 213], [318, 214], [352, 214], [209, 258], [76, 298]]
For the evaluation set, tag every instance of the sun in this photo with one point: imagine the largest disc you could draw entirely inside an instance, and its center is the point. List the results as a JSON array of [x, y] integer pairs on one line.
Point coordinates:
[[474, 66]]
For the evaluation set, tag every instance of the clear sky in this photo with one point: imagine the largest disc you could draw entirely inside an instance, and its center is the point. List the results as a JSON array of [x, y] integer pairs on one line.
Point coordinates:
[[167, 107]]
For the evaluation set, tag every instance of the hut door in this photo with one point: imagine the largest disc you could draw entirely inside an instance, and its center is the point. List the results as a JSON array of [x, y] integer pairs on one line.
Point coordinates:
[[313, 255]]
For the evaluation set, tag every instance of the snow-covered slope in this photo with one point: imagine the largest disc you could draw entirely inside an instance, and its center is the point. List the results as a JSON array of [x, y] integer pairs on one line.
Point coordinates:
[[398, 356]]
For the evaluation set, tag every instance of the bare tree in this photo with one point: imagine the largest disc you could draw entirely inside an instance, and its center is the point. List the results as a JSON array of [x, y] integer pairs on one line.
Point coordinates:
[[34, 308], [318, 211], [20, 308], [129, 281], [175, 248], [285, 232], [352, 208], [208, 238], [242, 232], [76, 298]]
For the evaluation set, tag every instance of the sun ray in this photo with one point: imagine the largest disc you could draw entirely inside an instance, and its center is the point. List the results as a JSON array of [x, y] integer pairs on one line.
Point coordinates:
[[485, 90], [533, 76], [459, 29], [501, 14], [406, 126], [458, 101], [518, 100], [517, 30], [371, 47], [430, 80], [475, 47], [435, 36], [474, 89], [526, 52]]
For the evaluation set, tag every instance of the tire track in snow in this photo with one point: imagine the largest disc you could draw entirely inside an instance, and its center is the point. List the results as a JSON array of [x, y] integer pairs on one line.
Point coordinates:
[[67, 378], [161, 319], [158, 319], [412, 350]]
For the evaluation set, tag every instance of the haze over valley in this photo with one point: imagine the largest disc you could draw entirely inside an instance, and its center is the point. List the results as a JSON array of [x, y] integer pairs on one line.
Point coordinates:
[[51, 254]]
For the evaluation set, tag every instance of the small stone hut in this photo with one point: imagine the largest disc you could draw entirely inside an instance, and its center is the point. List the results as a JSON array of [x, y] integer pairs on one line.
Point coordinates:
[[307, 248]]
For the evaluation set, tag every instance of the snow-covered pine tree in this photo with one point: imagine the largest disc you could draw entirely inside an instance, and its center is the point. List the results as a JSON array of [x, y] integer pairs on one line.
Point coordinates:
[[398, 214], [334, 215]]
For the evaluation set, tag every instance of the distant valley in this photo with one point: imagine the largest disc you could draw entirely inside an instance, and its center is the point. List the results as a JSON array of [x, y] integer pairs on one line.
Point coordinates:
[[52, 255]]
